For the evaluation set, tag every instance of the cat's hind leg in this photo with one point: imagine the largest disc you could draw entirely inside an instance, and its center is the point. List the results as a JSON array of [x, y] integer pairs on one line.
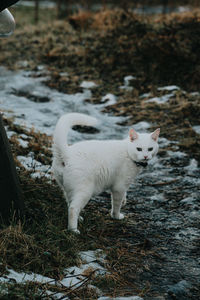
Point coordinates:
[[117, 199], [76, 204]]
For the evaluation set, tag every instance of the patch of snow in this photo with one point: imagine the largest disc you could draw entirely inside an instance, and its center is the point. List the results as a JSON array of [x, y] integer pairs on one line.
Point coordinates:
[[182, 9], [145, 95], [176, 154], [108, 99], [180, 288], [43, 116], [188, 200], [190, 233], [161, 99], [193, 166], [127, 82], [24, 277], [158, 198], [169, 88], [31, 164], [196, 129], [163, 142], [10, 133], [23, 143], [158, 9], [91, 256], [127, 88], [141, 126], [89, 264], [74, 276], [63, 74], [24, 136], [54, 295], [22, 63], [128, 78], [195, 94], [88, 84], [43, 4], [191, 179], [121, 298]]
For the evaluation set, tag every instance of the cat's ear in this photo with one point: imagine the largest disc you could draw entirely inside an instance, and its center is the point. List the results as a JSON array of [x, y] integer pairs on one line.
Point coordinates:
[[132, 135], [155, 134]]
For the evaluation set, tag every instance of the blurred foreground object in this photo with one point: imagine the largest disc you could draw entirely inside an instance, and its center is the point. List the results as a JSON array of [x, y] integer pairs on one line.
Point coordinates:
[[11, 202], [6, 3], [7, 23]]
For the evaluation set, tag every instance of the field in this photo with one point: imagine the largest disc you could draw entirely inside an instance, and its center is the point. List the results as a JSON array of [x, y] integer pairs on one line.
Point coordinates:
[[154, 252]]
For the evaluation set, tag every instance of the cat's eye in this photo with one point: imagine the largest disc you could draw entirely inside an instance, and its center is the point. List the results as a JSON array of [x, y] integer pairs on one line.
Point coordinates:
[[139, 149], [150, 149]]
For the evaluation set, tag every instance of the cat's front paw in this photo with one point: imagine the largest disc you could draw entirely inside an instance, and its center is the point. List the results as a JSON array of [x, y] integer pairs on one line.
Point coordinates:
[[76, 231], [119, 216]]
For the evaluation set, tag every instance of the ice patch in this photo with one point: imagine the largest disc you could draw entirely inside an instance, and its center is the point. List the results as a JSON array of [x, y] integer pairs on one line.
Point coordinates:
[[169, 88], [145, 95], [176, 154], [195, 94], [127, 80], [91, 256], [188, 200], [74, 276], [161, 99], [43, 116], [141, 126], [188, 233], [196, 129], [158, 198], [24, 136], [54, 295], [193, 166], [37, 168], [43, 4], [10, 133], [23, 143], [109, 99], [88, 85], [90, 263], [121, 298], [63, 74], [24, 277]]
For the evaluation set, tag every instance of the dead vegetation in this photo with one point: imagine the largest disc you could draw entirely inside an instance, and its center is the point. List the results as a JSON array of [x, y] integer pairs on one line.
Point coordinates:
[[105, 47]]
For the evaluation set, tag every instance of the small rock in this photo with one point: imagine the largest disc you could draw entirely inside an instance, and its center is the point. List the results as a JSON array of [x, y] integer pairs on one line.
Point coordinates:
[[179, 289]]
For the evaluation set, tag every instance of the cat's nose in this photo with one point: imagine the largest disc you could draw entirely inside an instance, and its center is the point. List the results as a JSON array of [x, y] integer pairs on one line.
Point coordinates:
[[145, 157]]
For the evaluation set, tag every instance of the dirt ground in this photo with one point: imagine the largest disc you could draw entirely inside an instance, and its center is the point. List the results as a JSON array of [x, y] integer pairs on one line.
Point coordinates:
[[154, 252]]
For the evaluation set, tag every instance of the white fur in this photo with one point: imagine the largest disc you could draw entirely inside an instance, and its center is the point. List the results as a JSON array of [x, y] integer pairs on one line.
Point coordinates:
[[88, 168]]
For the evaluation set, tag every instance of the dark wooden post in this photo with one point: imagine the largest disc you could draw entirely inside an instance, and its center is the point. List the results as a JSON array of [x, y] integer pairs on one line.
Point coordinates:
[[10, 194], [36, 18]]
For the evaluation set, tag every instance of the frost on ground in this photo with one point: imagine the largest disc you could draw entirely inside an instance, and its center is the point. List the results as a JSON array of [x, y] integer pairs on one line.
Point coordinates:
[[92, 263], [37, 168], [163, 204]]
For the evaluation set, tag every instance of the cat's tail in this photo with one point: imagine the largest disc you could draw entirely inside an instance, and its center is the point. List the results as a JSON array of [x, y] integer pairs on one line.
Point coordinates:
[[64, 124]]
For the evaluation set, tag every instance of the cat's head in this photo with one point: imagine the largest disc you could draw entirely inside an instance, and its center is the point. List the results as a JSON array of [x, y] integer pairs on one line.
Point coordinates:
[[143, 146]]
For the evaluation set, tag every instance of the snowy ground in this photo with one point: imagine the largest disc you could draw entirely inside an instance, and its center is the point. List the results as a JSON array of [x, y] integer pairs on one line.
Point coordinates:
[[154, 193]]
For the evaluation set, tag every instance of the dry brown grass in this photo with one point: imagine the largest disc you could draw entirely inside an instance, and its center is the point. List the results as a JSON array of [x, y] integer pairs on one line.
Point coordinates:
[[16, 245]]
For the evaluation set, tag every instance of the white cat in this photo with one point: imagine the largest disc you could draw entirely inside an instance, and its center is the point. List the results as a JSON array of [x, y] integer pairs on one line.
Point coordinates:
[[88, 168]]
